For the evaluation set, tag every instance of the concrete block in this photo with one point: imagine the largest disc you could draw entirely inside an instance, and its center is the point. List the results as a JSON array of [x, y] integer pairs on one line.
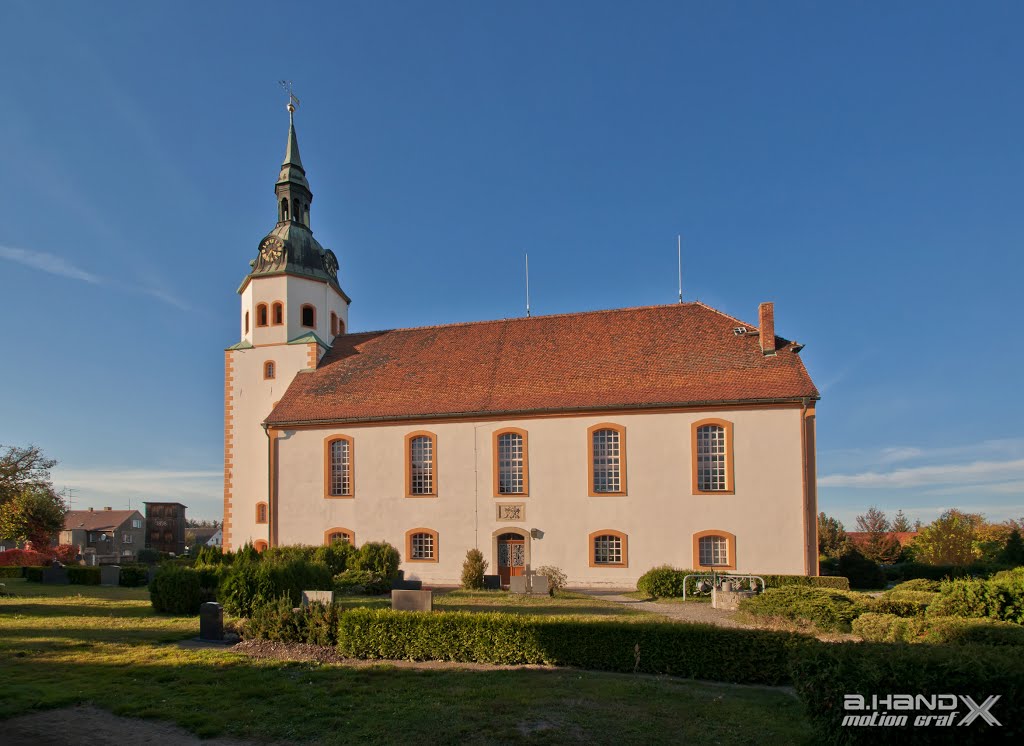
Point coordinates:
[[110, 575], [211, 621], [412, 600], [324, 597]]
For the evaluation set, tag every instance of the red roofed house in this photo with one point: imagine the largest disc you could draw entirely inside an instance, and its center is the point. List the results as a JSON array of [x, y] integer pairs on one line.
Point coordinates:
[[104, 536], [604, 443]]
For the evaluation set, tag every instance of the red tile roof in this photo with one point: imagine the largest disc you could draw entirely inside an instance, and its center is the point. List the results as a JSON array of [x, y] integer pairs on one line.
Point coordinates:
[[655, 356], [97, 520], [860, 538]]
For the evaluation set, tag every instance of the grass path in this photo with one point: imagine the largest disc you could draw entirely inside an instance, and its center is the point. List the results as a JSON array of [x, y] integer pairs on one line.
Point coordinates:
[[68, 645]]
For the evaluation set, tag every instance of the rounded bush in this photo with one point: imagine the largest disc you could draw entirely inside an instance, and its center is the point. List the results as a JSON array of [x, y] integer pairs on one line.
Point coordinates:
[[378, 557], [473, 569], [662, 582], [877, 627], [918, 584], [176, 590], [827, 609]]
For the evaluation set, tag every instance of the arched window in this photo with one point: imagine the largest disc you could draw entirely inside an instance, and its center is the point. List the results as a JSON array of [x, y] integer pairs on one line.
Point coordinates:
[[261, 512], [334, 324], [421, 464], [341, 325], [606, 444], [339, 534], [260, 546], [714, 548], [277, 313], [308, 316], [261, 314], [608, 548], [269, 370], [338, 453], [246, 322], [511, 463], [297, 209], [712, 457], [284, 210], [421, 545]]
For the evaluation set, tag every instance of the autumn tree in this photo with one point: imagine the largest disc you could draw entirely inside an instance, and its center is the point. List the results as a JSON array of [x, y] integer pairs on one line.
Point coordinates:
[[949, 539], [30, 509], [832, 539], [880, 545], [900, 523]]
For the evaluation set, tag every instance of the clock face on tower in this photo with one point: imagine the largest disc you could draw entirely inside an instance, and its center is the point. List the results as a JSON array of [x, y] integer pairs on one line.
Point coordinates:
[[271, 249]]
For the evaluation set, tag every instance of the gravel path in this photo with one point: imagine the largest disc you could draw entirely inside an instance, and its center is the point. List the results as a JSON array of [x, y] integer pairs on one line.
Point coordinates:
[[681, 612]]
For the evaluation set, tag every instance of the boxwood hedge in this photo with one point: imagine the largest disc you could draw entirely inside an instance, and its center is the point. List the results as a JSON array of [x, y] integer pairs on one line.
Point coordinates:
[[700, 651], [12, 572], [666, 581]]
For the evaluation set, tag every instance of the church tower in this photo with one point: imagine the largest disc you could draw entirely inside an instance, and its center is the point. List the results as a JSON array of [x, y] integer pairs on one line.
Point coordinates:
[[292, 308]]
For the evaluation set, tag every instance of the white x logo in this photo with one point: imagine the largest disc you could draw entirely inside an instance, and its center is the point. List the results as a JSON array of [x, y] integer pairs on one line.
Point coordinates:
[[981, 710]]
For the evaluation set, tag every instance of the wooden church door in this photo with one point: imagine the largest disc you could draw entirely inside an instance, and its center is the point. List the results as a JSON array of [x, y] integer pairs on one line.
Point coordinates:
[[511, 557]]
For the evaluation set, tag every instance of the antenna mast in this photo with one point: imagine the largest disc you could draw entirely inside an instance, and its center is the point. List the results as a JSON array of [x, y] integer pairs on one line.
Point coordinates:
[[527, 285], [679, 255]]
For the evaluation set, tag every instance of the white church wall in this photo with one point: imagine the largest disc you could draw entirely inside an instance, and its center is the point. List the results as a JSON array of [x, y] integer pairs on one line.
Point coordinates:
[[660, 513]]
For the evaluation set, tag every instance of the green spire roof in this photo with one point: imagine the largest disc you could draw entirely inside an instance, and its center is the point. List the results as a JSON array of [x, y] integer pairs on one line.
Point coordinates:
[[291, 153]]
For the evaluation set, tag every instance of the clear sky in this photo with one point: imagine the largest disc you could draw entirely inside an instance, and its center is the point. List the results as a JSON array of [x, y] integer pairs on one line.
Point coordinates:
[[860, 164]]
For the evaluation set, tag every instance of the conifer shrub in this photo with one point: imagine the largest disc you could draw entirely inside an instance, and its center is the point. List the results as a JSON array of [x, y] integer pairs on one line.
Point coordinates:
[[83, 575], [338, 556], [827, 609], [882, 627], [247, 585], [917, 584], [378, 557], [133, 576], [860, 571], [360, 583], [313, 624], [473, 569], [176, 590], [963, 598]]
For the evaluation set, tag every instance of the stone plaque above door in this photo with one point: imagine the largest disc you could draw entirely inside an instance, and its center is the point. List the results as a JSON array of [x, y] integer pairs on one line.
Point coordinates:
[[511, 511]]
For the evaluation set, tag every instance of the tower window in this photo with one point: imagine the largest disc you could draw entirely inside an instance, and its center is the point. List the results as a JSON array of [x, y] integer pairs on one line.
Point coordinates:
[[246, 322], [284, 210], [297, 209], [261, 314], [269, 370], [308, 316], [277, 313]]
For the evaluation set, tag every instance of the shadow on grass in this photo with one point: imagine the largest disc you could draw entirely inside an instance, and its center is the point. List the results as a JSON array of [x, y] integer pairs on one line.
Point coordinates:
[[28, 608]]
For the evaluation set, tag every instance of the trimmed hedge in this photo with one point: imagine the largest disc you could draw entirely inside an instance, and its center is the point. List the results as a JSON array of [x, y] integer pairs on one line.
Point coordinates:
[[33, 574], [700, 651], [176, 590], [667, 581], [876, 627], [315, 624], [827, 609], [881, 627], [12, 572], [823, 674], [901, 605], [132, 576], [83, 575]]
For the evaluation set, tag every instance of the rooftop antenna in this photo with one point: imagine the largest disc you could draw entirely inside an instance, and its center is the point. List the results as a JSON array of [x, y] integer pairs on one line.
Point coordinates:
[[293, 101], [679, 257], [527, 285], [69, 492]]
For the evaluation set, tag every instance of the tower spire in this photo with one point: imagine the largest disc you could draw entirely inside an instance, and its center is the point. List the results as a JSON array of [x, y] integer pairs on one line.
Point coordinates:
[[293, 193]]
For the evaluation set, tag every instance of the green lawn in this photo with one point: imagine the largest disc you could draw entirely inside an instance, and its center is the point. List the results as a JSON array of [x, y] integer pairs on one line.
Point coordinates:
[[64, 645]]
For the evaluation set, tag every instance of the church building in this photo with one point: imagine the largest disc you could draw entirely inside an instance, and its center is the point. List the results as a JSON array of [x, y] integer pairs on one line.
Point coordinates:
[[604, 443]]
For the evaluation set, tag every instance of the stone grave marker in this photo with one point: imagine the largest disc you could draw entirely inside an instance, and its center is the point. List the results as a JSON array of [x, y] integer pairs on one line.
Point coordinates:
[[539, 585], [412, 600], [519, 584], [110, 575], [324, 597], [55, 575], [211, 622], [492, 582]]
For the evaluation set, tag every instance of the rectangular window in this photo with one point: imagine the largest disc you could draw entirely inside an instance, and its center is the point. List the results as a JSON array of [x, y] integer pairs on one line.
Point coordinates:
[[136, 523], [422, 547], [126, 539], [341, 468], [607, 550], [712, 462], [714, 550], [421, 460], [607, 461], [511, 464]]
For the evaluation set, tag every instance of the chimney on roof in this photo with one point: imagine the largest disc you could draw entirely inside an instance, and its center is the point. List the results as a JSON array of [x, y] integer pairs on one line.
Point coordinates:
[[107, 508], [766, 323], [90, 510]]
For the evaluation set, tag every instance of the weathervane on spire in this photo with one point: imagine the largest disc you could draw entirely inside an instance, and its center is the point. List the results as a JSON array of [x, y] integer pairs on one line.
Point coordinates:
[[293, 101]]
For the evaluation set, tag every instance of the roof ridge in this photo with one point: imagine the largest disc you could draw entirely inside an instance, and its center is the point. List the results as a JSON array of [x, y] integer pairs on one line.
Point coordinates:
[[729, 316], [531, 318]]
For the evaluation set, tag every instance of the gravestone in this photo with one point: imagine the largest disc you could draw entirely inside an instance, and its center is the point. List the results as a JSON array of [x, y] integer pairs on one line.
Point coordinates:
[[412, 600], [55, 575], [211, 622], [110, 575], [539, 585], [519, 584], [492, 582], [324, 597]]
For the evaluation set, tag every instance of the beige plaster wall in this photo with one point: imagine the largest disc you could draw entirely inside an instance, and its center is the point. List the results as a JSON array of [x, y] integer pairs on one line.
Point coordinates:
[[659, 514]]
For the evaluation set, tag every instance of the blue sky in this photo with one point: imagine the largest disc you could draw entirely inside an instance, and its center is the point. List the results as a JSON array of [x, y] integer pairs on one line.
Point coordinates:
[[859, 164]]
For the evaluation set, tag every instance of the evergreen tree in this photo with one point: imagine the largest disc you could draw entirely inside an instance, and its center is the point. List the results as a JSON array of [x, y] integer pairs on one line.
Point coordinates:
[[832, 539], [900, 522], [1013, 553], [881, 545]]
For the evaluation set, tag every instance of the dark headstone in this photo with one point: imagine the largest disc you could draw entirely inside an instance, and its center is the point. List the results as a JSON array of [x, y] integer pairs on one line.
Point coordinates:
[[110, 575], [55, 575], [412, 600], [492, 582], [211, 622], [406, 585]]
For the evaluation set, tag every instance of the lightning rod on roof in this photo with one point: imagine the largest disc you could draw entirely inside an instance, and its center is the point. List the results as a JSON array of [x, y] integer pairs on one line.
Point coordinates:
[[679, 258], [527, 285]]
